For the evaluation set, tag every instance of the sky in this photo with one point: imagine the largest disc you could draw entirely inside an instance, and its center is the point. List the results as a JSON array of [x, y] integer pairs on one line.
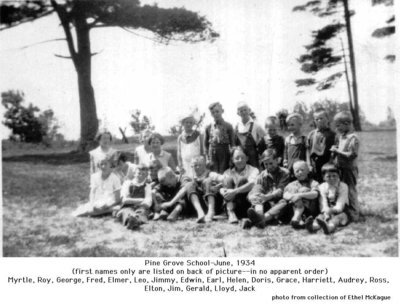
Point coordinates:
[[254, 59]]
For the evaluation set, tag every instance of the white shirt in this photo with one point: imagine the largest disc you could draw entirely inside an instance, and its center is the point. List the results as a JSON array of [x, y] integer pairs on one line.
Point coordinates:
[[103, 189], [257, 132], [143, 156], [125, 190], [249, 172]]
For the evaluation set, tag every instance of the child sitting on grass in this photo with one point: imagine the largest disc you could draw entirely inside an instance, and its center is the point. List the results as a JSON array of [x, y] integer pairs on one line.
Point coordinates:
[[203, 190], [104, 192], [154, 167], [190, 145], [124, 169], [333, 200], [238, 181], [346, 152], [319, 143], [272, 140], [136, 199], [266, 200], [302, 194], [169, 195], [295, 143]]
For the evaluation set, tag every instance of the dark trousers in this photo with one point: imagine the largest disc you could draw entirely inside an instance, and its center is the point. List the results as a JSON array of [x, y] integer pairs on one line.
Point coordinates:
[[349, 176], [240, 202], [219, 157]]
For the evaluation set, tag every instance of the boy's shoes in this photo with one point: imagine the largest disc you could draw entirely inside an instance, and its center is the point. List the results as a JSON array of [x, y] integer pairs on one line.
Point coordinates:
[[256, 218], [297, 225], [209, 217], [232, 219], [309, 224], [325, 226], [246, 223], [201, 219], [133, 223], [160, 216], [174, 215]]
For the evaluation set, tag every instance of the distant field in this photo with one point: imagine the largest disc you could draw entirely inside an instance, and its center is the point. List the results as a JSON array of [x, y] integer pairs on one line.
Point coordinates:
[[41, 189]]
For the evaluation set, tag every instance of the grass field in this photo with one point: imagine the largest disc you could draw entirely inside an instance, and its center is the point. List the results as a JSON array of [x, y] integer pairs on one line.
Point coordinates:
[[40, 191]]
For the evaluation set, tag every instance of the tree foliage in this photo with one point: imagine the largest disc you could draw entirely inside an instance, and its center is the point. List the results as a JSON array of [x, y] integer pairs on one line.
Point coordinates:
[[27, 123], [81, 16], [140, 122]]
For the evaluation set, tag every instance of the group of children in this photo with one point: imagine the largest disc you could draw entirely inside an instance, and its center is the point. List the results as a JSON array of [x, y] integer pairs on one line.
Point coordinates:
[[254, 176]]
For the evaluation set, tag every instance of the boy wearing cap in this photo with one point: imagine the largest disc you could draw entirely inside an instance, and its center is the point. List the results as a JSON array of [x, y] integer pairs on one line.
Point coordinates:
[[219, 137], [266, 196], [248, 134]]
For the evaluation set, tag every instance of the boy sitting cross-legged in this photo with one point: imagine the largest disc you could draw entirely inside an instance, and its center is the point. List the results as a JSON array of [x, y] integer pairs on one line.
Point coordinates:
[[169, 195], [333, 201], [266, 196], [136, 199], [302, 194], [203, 190]]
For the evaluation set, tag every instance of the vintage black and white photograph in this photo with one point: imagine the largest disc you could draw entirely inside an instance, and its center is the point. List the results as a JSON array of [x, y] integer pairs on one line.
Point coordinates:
[[208, 128]]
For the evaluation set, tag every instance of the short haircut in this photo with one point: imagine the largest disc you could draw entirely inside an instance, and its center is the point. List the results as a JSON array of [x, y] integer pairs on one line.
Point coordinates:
[[155, 164], [144, 133], [142, 166], [295, 116], [240, 149], [321, 110], [343, 117], [121, 157], [163, 172], [156, 136], [199, 158], [101, 133], [300, 162], [214, 104], [107, 159], [269, 153], [271, 120], [329, 168]]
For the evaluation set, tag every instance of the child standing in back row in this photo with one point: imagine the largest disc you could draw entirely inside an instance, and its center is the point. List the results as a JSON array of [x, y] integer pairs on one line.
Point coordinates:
[[319, 143], [272, 141], [345, 152], [295, 143], [190, 145], [248, 134], [219, 137]]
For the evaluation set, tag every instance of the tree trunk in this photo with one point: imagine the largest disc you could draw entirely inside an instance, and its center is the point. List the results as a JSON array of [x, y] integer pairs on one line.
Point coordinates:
[[87, 102], [356, 110]]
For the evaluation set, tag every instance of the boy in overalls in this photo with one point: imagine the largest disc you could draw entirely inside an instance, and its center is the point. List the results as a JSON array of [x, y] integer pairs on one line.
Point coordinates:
[[248, 134]]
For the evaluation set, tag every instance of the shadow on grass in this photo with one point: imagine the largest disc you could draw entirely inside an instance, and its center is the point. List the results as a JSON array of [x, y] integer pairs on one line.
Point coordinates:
[[67, 158]]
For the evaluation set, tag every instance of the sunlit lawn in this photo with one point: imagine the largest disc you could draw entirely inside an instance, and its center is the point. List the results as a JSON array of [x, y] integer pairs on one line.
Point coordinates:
[[39, 193]]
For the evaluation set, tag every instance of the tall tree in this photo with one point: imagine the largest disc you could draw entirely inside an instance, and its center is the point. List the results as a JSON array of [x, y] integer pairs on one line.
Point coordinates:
[[81, 16], [319, 55]]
